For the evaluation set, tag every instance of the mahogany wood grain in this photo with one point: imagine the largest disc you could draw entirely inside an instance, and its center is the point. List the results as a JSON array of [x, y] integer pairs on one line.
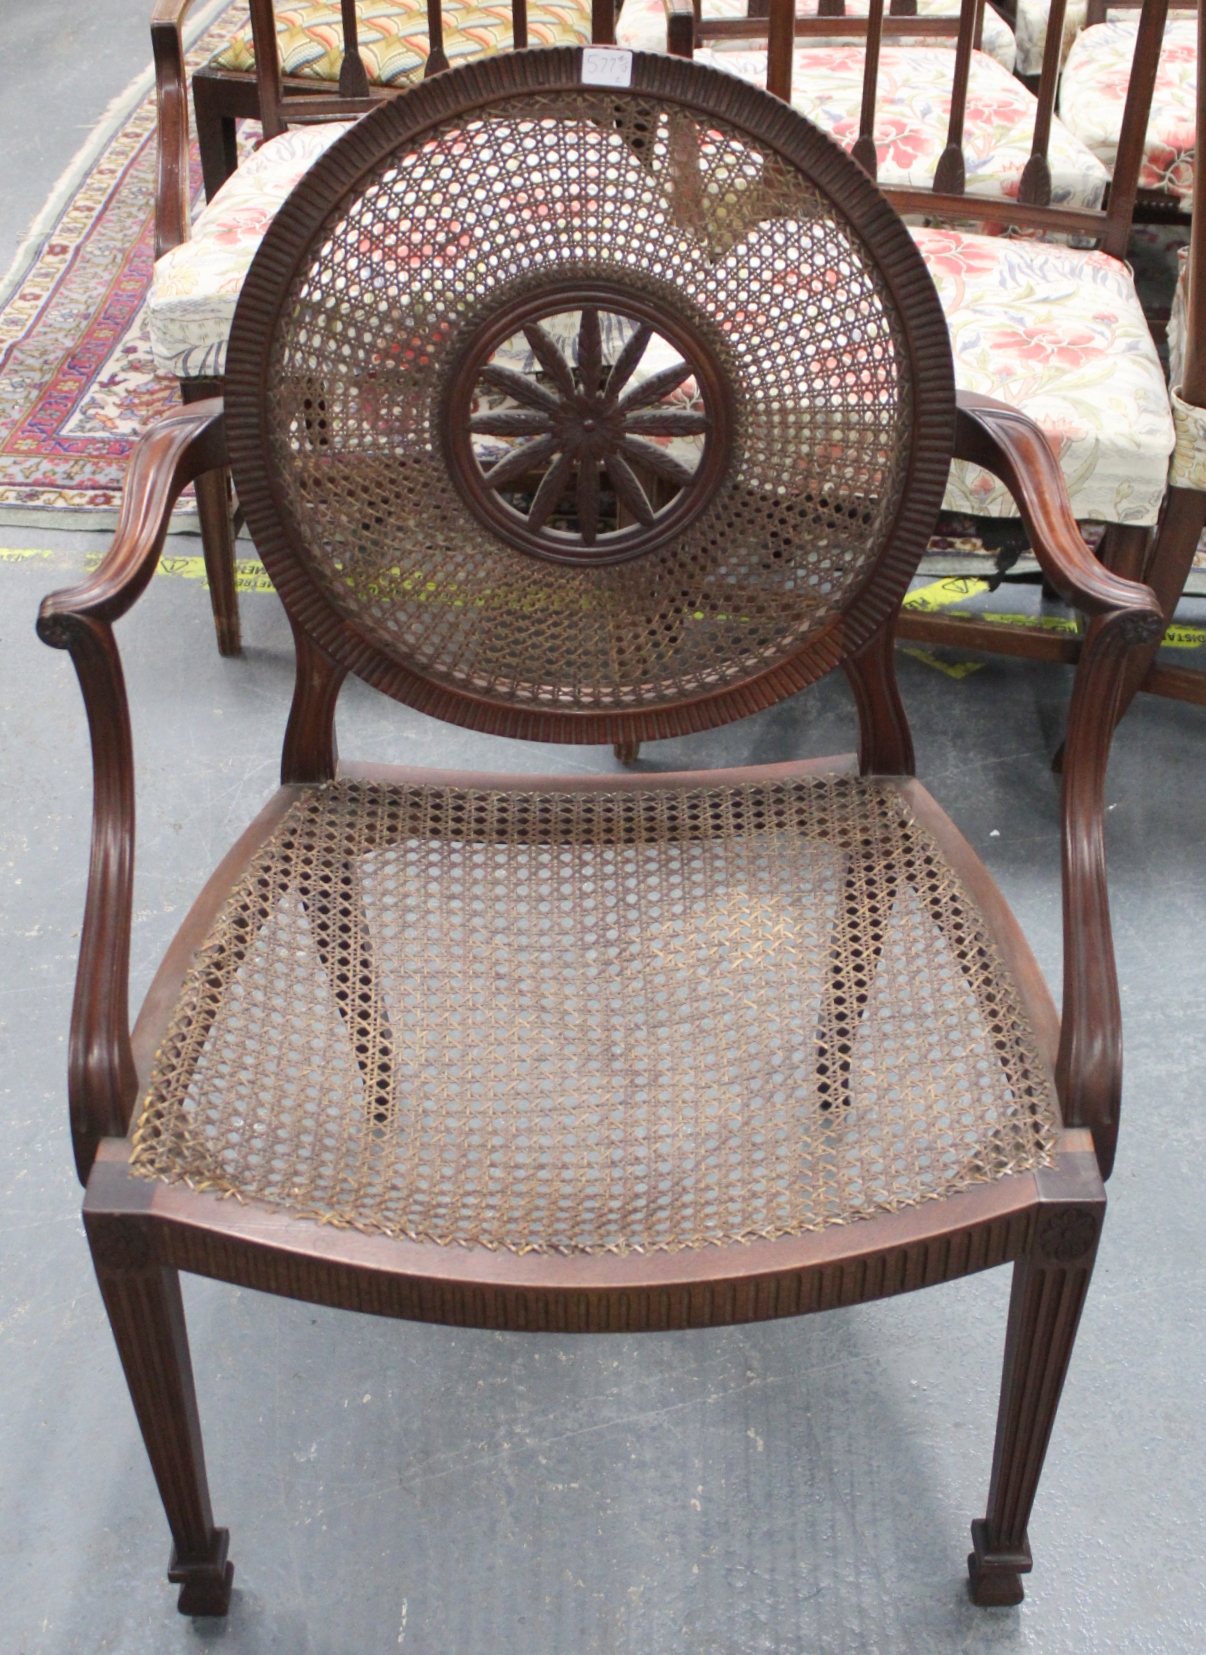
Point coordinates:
[[1046, 1220], [864, 151], [1050, 1281], [172, 193], [1035, 186], [267, 67], [1176, 683], [1005, 442], [249, 1244], [1193, 373], [857, 28], [101, 1080], [215, 516], [353, 79], [310, 753], [950, 173], [951, 631], [885, 741], [146, 1312], [1132, 139]]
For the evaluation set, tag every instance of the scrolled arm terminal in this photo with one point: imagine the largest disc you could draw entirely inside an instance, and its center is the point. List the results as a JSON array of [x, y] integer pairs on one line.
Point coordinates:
[[101, 1079], [1124, 614]]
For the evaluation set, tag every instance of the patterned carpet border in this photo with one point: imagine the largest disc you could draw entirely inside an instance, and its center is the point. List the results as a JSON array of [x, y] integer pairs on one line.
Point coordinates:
[[77, 381]]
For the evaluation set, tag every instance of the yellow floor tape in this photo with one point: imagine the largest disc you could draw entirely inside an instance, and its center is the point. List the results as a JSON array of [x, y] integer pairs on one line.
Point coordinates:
[[251, 576]]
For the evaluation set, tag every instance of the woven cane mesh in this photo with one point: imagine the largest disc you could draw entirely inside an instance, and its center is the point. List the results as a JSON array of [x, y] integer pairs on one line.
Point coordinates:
[[594, 1022], [704, 224]]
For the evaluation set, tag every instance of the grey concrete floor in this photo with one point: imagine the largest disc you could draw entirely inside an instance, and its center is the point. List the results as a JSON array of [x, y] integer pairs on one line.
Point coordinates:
[[798, 1487], [802, 1488]]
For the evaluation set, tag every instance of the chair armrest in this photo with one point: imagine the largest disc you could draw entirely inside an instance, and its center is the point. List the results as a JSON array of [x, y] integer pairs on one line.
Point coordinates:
[[1008, 443], [101, 1078], [680, 28], [171, 100], [1125, 614]]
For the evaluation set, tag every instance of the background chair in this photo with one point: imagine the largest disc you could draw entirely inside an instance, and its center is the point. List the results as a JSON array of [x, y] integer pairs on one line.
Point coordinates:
[[294, 53], [1092, 100], [200, 267], [532, 1053], [1054, 330]]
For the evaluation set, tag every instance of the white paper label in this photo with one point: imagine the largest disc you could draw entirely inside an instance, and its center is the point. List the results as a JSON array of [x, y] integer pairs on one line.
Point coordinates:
[[606, 66]]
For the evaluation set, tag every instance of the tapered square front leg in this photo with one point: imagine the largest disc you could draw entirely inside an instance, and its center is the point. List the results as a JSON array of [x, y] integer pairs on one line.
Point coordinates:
[[1049, 1286], [146, 1313]]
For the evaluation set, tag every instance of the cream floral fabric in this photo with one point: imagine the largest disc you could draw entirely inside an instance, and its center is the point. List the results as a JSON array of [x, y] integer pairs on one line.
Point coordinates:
[[1060, 334], [912, 112], [1188, 469], [1032, 32], [1176, 323], [393, 35], [642, 25], [196, 286], [1052, 330], [1092, 97]]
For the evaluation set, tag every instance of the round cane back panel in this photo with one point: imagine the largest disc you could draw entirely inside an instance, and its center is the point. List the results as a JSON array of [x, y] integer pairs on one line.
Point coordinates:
[[587, 405]]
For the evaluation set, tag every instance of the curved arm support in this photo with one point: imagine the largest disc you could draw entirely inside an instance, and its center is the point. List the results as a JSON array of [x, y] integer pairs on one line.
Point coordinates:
[[171, 99], [101, 1079], [1009, 444], [1125, 614]]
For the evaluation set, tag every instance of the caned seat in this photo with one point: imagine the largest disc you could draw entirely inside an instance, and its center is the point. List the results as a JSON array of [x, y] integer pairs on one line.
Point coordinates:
[[578, 412], [605, 1020]]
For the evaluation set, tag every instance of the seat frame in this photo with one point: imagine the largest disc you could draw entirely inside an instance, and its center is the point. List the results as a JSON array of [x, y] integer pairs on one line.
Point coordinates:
[[1046, 1222]]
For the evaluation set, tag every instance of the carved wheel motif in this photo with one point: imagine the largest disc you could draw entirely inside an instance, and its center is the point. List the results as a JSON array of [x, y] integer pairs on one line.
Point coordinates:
[[588, 426], [1067, 1235]]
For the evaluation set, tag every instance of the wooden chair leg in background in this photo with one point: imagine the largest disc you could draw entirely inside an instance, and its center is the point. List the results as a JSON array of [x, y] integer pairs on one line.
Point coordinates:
[[1166, 573], [218, 547], [1049, 1286], [216, 520], [216, 136], [146, 1313]]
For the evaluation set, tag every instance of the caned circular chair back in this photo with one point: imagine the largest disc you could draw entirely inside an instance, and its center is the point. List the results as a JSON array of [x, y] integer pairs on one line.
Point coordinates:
[[585, 413]]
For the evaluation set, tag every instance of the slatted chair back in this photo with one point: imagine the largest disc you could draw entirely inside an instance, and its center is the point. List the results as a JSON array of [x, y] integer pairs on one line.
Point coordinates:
[[355, 96], [584, 413], [1100, 11], [949, 199]]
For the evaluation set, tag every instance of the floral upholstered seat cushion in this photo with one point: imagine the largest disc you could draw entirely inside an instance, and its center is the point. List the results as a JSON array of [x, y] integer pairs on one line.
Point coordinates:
[[913, 110], [393, 36], [1092, 97], [1060, 334], [642, 25], [196, 286], [1032, 32]]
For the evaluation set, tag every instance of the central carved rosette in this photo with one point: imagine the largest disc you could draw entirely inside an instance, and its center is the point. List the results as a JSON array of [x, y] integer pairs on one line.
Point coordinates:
[[588, 435]]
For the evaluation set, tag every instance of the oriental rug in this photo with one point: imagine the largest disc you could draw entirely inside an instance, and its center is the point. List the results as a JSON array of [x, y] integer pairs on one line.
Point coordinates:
[[77, 382]]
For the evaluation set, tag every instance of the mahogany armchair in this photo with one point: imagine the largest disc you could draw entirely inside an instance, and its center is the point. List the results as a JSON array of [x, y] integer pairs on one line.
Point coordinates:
[[619, 1051]]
